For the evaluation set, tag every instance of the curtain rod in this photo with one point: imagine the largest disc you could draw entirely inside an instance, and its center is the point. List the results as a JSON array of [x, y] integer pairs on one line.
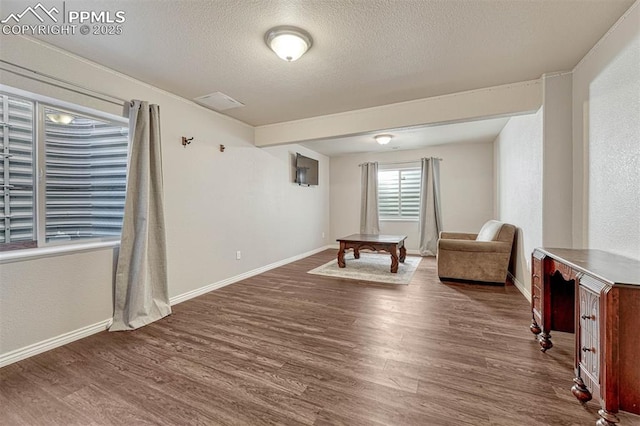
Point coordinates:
[[62, 84], [400, 162]]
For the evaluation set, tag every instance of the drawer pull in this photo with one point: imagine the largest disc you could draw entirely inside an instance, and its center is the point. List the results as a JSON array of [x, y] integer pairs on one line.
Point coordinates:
[[591, 317], [586, 349]]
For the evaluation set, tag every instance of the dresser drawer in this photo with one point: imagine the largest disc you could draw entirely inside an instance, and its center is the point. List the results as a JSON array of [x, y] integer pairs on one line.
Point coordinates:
[[536, 287], [536, 301], [589, 330]]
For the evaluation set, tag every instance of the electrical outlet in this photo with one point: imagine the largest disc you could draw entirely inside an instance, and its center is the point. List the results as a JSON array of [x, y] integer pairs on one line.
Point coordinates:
[[238, 255]]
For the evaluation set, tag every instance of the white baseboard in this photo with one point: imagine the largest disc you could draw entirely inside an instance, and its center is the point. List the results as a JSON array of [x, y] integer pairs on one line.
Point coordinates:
[[52, 343], [63, 339], [210, 287], [526, 293]]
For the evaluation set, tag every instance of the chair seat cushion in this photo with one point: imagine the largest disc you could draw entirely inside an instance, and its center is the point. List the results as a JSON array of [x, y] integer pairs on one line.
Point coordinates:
[[475, 246]]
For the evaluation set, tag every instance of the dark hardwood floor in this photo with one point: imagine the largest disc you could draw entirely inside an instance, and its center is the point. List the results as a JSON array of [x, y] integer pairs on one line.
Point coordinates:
[[287, 347]]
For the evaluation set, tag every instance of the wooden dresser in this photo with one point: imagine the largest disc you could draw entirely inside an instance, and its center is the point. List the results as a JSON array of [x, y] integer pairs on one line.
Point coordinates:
[[595, 294]]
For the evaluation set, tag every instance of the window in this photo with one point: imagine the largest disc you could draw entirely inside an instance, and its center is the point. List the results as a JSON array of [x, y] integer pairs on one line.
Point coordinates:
[[399, 193], [62, 172], [17, 210]]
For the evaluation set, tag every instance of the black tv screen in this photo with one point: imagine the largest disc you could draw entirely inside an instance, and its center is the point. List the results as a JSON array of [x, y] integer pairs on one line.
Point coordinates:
[[306, 170]]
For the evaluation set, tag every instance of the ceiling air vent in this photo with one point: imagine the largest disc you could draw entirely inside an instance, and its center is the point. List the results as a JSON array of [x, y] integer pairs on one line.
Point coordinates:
[[218, 101]]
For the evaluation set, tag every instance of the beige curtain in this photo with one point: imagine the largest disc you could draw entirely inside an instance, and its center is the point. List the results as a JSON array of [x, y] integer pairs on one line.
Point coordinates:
[[369, 222], [141, 290], [430, 215]]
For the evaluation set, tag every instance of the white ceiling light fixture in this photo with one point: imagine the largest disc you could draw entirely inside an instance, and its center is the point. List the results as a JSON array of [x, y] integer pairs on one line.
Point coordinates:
[[383, 139], [289, 43]]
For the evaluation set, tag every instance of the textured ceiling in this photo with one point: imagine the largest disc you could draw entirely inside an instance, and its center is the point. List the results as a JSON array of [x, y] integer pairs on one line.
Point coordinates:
[[365, 53], [412, 138]]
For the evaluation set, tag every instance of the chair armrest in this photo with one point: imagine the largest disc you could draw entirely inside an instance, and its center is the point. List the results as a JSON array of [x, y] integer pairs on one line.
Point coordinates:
[[457, 235], [474, 246]]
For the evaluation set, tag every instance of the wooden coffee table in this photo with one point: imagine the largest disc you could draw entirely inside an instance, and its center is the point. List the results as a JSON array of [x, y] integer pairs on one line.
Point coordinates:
[[388, 243]]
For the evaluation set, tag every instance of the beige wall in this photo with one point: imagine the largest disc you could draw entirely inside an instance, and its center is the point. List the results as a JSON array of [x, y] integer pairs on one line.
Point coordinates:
[[556, 160], [44, 298], [519, 176], [216, 203], [504, 100], [466, 184], [606, 141], [534, 175], [583, 149]]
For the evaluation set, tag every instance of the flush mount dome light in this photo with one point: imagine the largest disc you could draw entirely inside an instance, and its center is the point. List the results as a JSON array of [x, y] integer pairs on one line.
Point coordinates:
[[289, 43], [383, 139]]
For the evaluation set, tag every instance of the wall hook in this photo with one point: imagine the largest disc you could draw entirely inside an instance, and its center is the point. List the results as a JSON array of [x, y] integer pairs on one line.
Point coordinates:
[[222, 148], [186, 141]]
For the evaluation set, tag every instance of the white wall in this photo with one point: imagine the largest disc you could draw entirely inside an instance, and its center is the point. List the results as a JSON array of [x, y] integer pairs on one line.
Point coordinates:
[[504, 100], [519, 151], [556, 160], [466, 174], [585, 193], [216, 203], [534, 176], [606, 129]]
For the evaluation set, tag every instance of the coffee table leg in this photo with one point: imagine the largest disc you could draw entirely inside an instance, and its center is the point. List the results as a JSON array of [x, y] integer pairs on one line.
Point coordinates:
[[403, 254], [394, 259], [341, 263], [356, 253]]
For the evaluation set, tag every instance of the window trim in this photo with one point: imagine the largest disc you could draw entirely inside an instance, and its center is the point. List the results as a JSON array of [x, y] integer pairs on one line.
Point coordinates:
[[58, 103], [50, 248], [398, 219], [56, 250]]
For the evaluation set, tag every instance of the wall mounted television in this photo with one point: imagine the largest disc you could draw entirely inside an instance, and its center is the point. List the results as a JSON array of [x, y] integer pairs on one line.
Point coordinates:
[[306, 170]]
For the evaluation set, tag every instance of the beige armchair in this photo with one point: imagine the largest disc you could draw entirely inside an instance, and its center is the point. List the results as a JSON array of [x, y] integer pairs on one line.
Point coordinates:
[[476, 257]]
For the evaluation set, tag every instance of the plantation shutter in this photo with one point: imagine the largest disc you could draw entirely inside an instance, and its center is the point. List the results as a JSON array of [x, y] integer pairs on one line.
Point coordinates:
[[388, 193], [16, 170], [410, 193], [399, 193], [86, 169]]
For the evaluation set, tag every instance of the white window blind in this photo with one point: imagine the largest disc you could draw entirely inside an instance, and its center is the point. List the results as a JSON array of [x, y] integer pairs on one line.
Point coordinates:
[[399, 193], [16, 170], [86, 170]]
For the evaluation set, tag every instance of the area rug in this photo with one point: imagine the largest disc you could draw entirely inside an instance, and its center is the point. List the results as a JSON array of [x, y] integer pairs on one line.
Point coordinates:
[[370, 267]]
